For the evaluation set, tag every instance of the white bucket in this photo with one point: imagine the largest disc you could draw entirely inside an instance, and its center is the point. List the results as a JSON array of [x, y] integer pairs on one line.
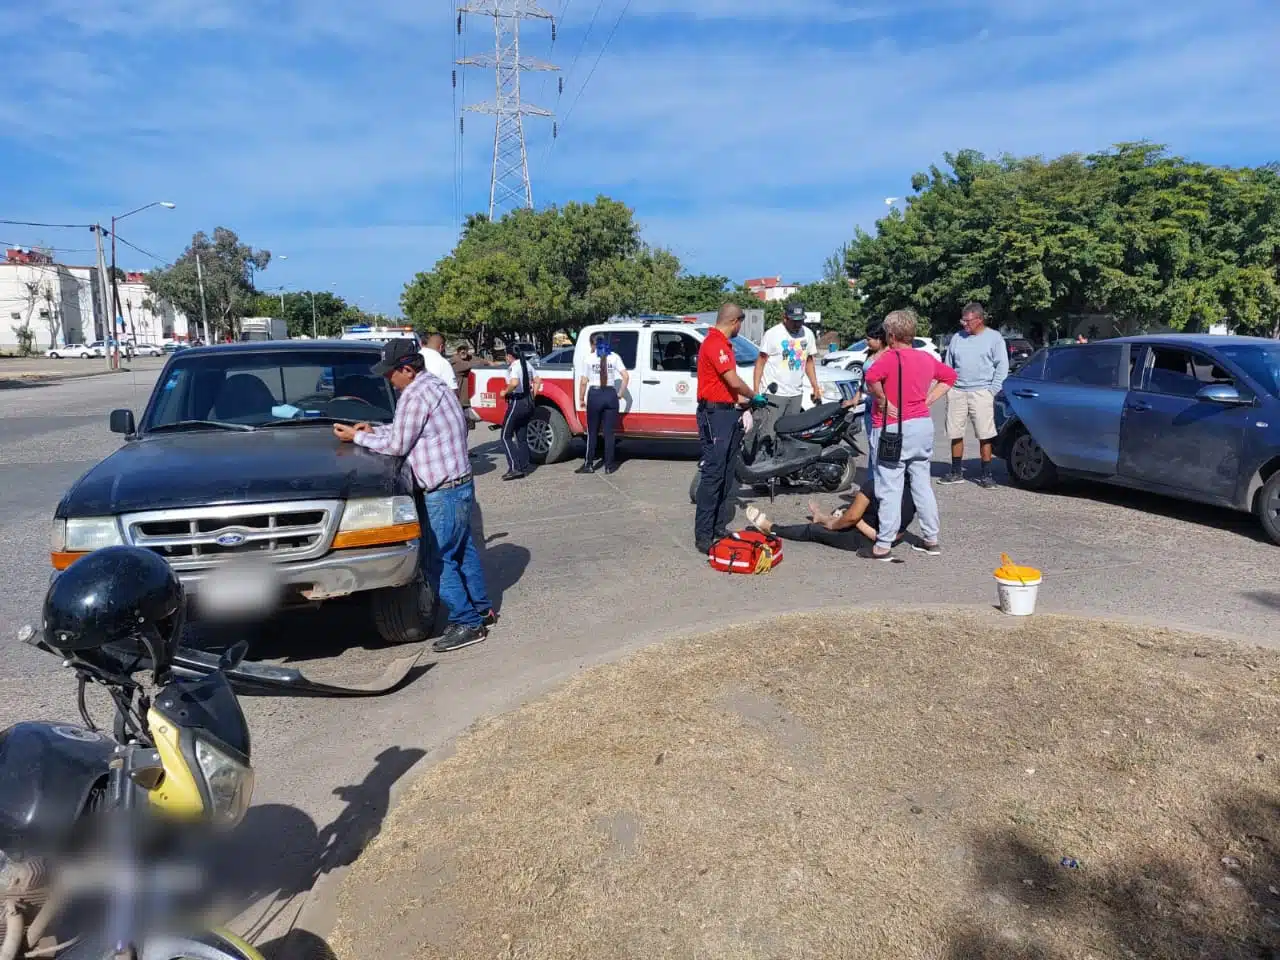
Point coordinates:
[[1018, 599]]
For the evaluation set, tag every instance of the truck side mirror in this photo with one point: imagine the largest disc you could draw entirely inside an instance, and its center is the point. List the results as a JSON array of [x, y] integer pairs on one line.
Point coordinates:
[[122, 422]]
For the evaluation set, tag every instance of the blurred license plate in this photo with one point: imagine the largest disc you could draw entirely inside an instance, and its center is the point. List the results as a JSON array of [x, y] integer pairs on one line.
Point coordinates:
[[485, 400]]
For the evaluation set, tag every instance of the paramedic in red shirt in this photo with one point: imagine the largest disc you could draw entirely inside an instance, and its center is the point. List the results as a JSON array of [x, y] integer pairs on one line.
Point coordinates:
[[719, 426], [919, 380]]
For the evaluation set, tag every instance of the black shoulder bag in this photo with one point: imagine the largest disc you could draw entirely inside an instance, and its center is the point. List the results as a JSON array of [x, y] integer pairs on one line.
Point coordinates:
[[889, 449]]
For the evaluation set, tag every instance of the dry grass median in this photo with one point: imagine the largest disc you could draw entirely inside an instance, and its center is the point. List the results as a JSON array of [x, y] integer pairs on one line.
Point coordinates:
[[873, 786]]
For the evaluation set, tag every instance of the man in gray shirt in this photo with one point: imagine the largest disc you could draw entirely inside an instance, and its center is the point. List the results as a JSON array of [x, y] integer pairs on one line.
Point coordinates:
[[981, 360]]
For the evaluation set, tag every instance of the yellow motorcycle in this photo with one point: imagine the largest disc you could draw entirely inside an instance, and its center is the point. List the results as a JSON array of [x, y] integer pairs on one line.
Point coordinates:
[[95, 862]]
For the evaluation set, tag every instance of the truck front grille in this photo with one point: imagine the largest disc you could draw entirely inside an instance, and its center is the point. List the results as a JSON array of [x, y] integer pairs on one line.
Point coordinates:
[[205, 536]]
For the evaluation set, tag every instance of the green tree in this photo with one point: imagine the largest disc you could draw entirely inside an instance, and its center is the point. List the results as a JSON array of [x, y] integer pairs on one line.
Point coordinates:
[[228, 267]]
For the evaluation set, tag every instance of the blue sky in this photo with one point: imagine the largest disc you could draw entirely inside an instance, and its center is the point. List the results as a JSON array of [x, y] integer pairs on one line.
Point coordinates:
[[750, 136]]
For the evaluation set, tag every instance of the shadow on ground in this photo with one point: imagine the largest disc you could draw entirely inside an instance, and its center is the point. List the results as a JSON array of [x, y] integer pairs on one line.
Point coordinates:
[[1156, 908], [278, 853]]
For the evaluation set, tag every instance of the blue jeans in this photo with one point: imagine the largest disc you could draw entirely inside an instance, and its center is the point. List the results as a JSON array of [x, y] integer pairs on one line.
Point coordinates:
[[449, 556], [917, 455]]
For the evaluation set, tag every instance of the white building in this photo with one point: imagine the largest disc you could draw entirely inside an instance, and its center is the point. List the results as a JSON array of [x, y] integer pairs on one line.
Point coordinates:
[[771, 288], [46, 302], [55, 304], [147, 318]]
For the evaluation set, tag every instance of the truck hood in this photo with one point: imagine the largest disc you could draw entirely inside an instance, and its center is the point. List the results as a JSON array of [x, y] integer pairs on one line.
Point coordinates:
[[210, 468]]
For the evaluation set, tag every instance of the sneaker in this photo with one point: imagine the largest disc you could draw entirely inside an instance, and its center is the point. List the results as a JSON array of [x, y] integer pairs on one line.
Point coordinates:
[[952, 478], [987, 482], [458, 636], [491, 618], [609, 470], [586, 468], [703, 548], [514, 475], [928, 549]]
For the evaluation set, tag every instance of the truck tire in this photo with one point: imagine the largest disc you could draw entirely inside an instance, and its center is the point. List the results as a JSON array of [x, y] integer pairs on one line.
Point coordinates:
[[548, 434], [404, 614], [1269, 507]]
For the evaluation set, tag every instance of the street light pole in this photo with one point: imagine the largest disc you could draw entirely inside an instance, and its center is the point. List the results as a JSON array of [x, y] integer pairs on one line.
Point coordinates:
[[116, 317], [314, 335], [204, 311]]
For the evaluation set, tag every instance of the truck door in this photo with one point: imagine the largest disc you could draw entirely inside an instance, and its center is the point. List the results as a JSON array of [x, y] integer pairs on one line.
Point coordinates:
[[625, 343], [669, 387]]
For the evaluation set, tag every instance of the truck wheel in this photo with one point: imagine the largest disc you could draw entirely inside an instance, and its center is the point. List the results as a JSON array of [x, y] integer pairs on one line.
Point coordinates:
[[1269, 507], [404, 614], [548, 434], [1029, 466]]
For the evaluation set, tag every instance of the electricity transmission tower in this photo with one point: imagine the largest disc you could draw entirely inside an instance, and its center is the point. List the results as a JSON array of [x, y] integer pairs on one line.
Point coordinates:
[[509, 182]]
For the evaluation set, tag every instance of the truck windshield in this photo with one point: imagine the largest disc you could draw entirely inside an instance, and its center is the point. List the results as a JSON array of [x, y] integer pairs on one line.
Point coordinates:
[[744, 351], [257, 389]]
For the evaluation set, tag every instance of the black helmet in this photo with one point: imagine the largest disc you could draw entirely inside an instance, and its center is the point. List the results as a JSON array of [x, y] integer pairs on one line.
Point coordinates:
[[794, 312], [114, 607]]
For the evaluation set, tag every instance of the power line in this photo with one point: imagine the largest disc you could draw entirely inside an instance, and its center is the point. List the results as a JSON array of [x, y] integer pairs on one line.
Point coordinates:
[[57, 226], [600, 56], [145, 253]]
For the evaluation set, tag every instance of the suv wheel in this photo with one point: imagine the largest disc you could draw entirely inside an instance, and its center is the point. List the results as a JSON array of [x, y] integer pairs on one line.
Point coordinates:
[[1029, 466], [54, 355], [1269, 507], [404, 614]]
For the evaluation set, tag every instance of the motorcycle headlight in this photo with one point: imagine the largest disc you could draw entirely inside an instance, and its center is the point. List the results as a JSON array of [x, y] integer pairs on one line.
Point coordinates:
[[230, 783]]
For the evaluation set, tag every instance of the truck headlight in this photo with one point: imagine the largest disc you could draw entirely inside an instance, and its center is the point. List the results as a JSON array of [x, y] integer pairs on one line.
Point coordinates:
[[72, 538], [374, 521], [230, 783]]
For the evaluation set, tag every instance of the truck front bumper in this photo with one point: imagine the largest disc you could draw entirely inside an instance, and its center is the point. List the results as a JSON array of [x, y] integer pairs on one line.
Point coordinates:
[[338, 573]]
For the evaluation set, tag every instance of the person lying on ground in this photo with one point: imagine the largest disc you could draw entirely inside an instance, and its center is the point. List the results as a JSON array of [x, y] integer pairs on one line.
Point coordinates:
[[840, 529]]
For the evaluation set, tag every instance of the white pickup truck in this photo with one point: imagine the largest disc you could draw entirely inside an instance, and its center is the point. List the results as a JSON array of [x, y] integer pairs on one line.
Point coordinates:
[[660, 402]]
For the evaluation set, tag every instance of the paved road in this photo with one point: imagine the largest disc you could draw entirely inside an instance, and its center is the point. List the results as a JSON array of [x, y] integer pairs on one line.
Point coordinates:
[[586, 568]]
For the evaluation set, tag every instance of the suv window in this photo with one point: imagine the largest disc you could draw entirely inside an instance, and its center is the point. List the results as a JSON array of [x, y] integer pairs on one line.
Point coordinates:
[[1033, 369], [673, 352], [1176, 372], [624, 343], [1091, 365]]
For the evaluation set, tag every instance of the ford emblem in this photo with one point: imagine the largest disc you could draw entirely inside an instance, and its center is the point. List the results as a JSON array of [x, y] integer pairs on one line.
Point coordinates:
[[230, 539]]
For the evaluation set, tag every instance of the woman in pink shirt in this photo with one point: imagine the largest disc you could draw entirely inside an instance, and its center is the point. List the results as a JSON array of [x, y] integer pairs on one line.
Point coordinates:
[[913, 380]]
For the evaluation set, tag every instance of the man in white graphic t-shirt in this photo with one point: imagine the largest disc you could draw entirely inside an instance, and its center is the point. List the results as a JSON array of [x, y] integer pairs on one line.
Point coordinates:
[[786, 360]]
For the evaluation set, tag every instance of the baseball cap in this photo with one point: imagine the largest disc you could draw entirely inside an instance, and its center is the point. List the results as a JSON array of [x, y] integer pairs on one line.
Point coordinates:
[[395, 354], [794, 312]]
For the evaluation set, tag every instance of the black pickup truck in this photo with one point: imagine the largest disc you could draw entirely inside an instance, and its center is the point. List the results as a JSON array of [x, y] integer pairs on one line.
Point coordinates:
[[234, 459]]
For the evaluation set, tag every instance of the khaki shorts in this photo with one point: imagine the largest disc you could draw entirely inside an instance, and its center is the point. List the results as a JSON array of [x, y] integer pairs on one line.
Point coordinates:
[[971, 406]]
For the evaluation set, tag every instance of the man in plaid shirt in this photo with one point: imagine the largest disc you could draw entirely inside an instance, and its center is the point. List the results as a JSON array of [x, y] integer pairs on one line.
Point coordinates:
[[430, 430]]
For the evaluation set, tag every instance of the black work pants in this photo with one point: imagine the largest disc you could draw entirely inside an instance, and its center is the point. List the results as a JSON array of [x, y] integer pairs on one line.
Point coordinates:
[[848, 539], [515, 436], [720, 433], [602, 414]]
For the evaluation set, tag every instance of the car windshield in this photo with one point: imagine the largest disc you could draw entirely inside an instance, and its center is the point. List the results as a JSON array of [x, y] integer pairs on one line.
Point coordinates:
[[269, 388], [1260, 361], [744, 351], [855, 347]]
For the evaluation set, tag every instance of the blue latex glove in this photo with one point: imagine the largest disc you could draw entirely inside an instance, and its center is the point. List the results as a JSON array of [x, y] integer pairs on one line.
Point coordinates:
[[759, 401]]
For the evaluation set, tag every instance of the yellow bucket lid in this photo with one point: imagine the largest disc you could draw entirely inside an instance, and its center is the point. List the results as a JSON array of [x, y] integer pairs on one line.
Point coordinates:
[[1008, 570]]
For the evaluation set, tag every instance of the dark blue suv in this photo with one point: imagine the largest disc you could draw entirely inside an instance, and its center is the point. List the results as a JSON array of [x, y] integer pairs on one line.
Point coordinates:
[[1189, 416]]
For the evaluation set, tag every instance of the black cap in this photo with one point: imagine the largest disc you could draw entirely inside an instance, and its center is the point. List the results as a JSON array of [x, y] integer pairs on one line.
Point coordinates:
[[395, 354], [794, 312]]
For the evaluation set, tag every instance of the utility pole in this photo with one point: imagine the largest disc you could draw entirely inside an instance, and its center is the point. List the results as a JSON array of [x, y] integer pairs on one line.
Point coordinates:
[[314, 335], [204, 311], [106, 298], [509, 180]]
